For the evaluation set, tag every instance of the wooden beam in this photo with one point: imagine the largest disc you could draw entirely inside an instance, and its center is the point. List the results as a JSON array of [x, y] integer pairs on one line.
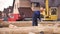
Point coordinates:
[[31, 29], [29, 23]]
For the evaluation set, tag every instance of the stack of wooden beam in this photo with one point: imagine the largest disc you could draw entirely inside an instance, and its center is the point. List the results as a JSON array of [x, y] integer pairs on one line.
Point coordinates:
[[27, 28]]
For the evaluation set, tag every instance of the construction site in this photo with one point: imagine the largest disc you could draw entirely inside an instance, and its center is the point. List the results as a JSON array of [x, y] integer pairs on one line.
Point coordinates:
[[20, 20]]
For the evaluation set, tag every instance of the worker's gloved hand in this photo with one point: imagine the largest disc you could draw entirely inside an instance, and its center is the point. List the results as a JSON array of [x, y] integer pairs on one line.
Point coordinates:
[[39, 19]]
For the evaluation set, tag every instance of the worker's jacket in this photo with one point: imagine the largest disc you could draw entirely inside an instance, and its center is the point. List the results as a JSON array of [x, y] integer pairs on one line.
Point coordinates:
[[36, 15]]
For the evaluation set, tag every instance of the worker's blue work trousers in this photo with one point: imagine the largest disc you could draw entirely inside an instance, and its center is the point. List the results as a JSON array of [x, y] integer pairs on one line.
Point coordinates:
[[35, 21]]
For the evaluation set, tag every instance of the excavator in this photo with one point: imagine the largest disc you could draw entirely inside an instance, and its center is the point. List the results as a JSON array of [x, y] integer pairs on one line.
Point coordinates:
[[50, 13]]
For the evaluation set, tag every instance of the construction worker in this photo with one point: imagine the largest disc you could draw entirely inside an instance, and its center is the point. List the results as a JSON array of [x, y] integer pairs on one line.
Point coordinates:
[[0, 15], [4, 16], [1, 19], [36, 14]]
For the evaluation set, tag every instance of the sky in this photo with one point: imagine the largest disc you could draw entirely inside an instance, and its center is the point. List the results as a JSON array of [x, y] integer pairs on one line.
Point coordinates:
[[5, 4]]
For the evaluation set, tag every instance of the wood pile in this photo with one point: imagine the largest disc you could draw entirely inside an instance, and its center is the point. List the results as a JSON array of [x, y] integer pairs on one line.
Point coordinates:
[[18, 28]]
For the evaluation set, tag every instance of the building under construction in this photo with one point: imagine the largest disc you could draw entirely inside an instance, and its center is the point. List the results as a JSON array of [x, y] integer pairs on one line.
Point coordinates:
[[25, 7]]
